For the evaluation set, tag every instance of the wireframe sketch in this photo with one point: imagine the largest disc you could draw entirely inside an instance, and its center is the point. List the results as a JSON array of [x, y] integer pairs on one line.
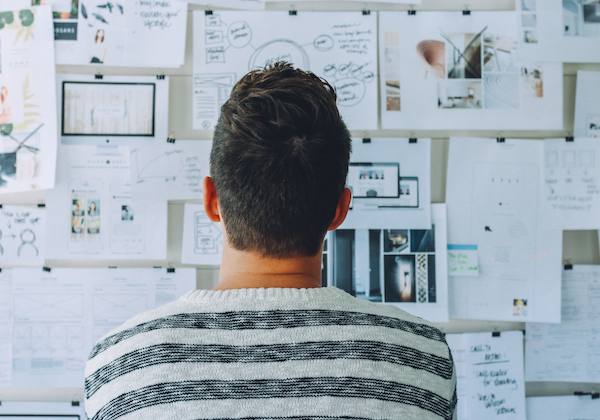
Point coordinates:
[[48, 305], [581, 17], [232, 43], [168, 165], [122, 306], [208, 238], [48, 337], [105, 108]]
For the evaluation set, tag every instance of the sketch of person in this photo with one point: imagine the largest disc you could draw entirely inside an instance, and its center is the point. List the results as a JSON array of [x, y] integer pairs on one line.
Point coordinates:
[[98, 51], [6, 114], [27, 238]]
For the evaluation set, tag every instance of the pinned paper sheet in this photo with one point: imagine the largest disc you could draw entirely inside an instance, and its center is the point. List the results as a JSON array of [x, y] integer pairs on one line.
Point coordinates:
[[572, 184], [463, 260], [59, 315], [6, 327], [202, 239], [566, 407], [569, 351], [22, 235], [489, 371]]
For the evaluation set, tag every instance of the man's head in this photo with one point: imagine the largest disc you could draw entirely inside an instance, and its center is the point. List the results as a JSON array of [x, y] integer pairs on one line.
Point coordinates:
[[279, 162]]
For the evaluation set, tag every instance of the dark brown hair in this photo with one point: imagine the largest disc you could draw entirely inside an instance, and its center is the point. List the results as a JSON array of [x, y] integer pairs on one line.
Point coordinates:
[[279, 161]]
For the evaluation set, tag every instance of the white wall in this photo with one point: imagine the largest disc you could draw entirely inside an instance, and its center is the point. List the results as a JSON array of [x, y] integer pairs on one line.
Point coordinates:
[[579, 247]]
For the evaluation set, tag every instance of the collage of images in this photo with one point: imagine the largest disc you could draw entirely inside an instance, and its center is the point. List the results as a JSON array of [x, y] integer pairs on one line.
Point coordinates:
[[388, 265]]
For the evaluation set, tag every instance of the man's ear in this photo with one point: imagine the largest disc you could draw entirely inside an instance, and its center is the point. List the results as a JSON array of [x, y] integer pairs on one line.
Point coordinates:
[[342, 209], [209, 196]]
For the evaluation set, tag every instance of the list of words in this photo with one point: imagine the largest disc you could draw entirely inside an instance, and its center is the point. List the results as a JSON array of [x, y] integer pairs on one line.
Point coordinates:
[[490, 374]]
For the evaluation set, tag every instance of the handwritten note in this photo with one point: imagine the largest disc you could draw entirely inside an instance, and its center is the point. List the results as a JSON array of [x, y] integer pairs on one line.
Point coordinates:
[[572, 184], [490, 375], [463, 260], [22, 235]]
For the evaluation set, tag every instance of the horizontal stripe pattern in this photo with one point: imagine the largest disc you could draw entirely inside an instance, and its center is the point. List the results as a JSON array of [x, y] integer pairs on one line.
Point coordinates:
[[294, 418], [343, 387], [272, 319], [211, 353]]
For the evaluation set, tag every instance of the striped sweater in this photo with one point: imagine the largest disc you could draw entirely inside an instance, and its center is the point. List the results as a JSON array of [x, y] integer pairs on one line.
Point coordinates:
[[276, 353]]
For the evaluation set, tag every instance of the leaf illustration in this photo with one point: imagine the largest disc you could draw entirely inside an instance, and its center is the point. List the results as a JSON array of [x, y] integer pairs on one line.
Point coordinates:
[[22, 126], [19, 33], [31, 114], [30, 105]]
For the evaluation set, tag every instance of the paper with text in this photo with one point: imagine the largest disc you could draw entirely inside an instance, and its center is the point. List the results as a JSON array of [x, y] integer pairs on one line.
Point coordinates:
[[390, 181], [169, 171], [28, 132], [567, 407], [494, 194], [404, 267], [133, 33], [571, 184], [446, 70], [569, 351], [30, 410], [559, 30], [93, 212], [587, 104], [489, 370], [22, 235], [463, 260], [202, 239], [339, 46], [59, 315], [6, 327]]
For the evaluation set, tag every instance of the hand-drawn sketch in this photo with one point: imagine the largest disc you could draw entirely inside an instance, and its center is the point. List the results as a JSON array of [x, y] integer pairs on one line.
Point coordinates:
[[202, 239], [118, 306], [22, 235], [207, 235], [340, 47], [463, 72], [28, 105], [169, 171]]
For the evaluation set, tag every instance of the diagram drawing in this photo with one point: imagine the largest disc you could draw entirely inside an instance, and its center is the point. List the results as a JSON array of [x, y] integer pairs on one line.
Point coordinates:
[[50, 305], [208, 238], [168, 165], [118, 306], [46, 337], [343, 52]]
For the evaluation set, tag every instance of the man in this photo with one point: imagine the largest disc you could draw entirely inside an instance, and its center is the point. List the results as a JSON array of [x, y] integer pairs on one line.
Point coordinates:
[[268, 342]]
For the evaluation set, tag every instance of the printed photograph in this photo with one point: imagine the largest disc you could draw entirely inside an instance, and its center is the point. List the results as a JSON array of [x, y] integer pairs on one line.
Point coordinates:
[[528, 5], [463, 55], [581, 17], [78, 207], [520, 307], [77, 224], [501, 90], [61, 9], [530, 37], [395, 240], [532, 80], [126, 213], [422, 240], [465, 94], [399, 278]]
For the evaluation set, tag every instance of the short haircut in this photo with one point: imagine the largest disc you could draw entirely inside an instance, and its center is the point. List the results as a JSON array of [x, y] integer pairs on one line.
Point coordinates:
[[279, 161]]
